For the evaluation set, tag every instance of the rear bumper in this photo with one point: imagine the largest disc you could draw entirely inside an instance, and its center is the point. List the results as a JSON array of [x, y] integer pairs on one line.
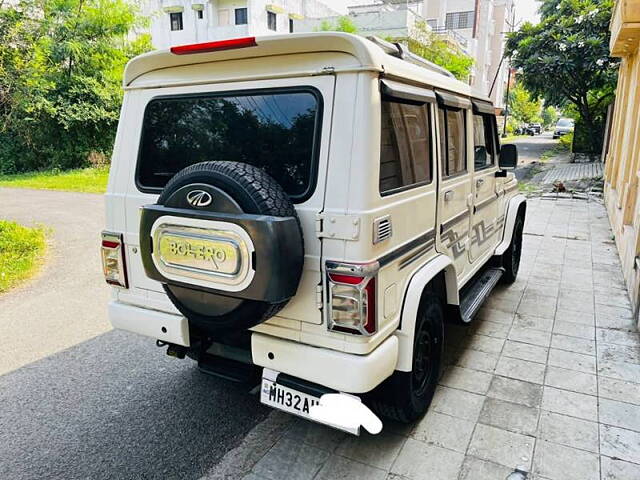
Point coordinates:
[[151, 323], [338, 370]]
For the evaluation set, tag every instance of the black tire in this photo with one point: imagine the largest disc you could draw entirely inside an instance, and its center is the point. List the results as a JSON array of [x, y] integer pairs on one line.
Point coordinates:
[[406, 396], [511, 257], [254, 192]]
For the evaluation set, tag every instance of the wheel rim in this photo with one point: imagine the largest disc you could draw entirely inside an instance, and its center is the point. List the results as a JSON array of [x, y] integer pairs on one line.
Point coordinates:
[[517, 249], [423, 364]]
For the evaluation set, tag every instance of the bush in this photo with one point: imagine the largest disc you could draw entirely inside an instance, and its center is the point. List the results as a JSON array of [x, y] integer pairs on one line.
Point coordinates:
[[20, 251], [566, 141]]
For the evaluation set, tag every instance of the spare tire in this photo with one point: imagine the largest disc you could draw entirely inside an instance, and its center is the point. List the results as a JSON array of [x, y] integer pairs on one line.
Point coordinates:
[[247, 197]]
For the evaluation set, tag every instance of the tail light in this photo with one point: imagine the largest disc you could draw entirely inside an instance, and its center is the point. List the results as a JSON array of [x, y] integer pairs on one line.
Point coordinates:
[[113, 263], [352, 297], [217, 46]]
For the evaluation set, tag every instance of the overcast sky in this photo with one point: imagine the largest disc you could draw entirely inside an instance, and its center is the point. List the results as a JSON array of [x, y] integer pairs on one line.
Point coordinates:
[[525, 9]]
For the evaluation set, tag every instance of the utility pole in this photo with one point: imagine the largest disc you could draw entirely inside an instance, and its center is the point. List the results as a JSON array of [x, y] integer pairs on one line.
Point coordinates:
[[506, 100]]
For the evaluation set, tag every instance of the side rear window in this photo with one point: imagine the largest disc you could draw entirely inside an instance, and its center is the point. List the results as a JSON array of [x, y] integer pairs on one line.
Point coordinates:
[[484, 141], [405, 146], [277, 131], [453, 140]]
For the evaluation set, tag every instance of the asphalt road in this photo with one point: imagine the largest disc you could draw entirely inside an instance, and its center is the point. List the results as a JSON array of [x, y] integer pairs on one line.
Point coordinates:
[[530, 149], [78, 400]]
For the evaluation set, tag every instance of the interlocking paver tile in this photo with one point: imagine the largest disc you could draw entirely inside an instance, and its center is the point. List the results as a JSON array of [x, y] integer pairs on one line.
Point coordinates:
[[573, 329], [477, 360], [571, 380], [565, 463], [520, 369], [620, 443], [483, 343], [619, 414], [569, 431], [444, 431], [500, 446], [537, 323], [572, 360], [291, 459], [466, 379], [419, 461], [516, 391], [570, 403], [376, 450], [613, 469], [525, 351], [494, 315], [510, 416], [619, 337], [619, 390], [573, 344], [340, 467], [619, 370], [619, 353], [477, 469], [572, 316], [457, 403]]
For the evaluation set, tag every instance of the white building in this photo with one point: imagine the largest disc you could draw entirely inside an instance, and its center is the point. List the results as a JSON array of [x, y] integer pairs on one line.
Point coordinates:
[[178, 22], [483, 23]]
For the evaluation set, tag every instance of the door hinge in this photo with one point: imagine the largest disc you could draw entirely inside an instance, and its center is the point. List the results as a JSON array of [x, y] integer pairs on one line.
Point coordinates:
[[319, 300], [339, 227]]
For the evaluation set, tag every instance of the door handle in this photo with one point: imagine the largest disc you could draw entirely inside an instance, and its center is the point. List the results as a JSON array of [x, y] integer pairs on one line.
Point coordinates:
[[448, 195], [479, 182]]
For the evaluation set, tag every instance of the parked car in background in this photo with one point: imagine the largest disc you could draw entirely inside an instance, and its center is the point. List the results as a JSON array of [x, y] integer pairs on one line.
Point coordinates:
[[534, 129], [564, 126], [309, 208]]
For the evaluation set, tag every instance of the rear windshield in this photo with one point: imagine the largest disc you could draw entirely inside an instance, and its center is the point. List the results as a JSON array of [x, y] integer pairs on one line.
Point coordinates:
[[565, 122], [274, 130]]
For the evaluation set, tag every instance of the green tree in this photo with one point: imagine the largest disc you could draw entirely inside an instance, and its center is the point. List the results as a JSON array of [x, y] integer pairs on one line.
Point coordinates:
[[422, 41], [549, 116], [61, 65], [565, 59], [522, 107], [343, 24]]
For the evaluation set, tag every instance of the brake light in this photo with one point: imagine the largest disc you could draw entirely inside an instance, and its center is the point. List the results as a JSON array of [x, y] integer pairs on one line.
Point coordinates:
[[113, 262], [205, 47], [352, 300]]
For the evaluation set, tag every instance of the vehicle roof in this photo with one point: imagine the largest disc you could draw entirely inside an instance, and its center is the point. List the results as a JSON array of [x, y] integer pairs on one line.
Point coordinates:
[[367, 56]]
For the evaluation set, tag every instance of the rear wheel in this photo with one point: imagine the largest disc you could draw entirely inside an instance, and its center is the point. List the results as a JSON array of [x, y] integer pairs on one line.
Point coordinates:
[[511, 258], [406, 396]]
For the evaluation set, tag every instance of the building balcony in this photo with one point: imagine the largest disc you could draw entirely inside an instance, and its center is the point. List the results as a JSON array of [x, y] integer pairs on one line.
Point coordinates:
[[625, 28], [451, 36]]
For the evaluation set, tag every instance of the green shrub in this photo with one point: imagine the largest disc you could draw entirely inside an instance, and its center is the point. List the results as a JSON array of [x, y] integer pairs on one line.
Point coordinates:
[[566, 141]]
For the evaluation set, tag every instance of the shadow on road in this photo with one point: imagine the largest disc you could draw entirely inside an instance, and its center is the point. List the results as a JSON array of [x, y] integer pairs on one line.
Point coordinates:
[[117, 407]]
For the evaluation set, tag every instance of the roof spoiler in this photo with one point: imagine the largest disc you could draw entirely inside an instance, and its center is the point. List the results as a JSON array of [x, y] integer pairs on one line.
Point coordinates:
[[400, 51]]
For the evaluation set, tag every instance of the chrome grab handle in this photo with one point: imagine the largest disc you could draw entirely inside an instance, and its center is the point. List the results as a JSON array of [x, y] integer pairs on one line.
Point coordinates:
[[479, 182], [448, 195]]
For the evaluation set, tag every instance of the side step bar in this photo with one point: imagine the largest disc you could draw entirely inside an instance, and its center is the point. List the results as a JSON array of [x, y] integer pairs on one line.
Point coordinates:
[[475, 295]]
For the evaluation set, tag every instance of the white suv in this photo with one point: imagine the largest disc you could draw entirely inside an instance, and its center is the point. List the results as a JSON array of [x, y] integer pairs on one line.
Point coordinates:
[[308, 207]]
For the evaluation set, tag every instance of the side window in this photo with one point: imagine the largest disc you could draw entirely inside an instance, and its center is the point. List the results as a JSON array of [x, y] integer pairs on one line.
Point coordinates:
[[453, 140], [405, 150], [484, 149]]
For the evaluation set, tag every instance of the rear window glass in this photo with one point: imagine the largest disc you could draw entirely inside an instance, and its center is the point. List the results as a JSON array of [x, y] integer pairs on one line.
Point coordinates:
[[275, 131]]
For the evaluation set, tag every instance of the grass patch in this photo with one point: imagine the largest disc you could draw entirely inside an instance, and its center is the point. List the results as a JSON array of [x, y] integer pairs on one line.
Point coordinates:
[[89, 180], [21, 249]]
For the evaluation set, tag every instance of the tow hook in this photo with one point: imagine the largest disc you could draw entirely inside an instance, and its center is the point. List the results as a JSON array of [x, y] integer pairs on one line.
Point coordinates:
[[173, 350]]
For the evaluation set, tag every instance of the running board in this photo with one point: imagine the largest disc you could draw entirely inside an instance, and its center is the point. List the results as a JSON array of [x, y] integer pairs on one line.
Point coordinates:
[[477, 293]]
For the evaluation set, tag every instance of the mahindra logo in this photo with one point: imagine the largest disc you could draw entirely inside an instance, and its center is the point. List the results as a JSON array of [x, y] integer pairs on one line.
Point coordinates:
[[199, 198]]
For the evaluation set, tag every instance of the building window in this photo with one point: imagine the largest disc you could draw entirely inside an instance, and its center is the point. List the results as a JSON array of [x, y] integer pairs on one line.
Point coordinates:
[[405, 146], [200, 14], [176, 21], [291, 25], [241, 16], [433, 22], [271, 21], [459, 20]]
